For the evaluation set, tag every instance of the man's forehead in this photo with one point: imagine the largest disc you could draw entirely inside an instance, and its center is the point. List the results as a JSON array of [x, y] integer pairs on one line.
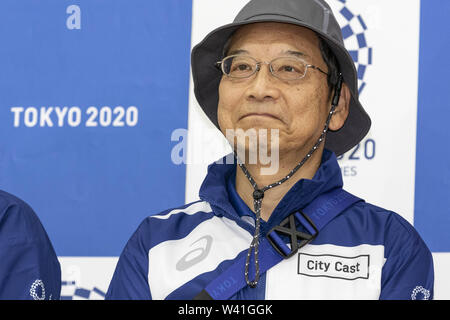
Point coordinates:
[[302, 42], [271, 31]]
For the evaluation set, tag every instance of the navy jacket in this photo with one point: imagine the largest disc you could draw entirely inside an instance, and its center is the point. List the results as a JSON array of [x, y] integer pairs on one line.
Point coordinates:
[[366, 252], [29, 267]]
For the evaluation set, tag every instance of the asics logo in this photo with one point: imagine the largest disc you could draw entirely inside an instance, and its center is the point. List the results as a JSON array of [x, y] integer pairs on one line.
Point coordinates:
[[195, 256]]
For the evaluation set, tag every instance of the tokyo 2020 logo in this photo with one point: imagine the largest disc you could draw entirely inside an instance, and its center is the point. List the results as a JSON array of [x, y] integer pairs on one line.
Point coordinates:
[[354, 32]]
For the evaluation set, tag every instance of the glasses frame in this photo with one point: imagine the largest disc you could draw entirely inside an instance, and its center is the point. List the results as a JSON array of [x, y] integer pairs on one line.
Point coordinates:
[[220, 64]]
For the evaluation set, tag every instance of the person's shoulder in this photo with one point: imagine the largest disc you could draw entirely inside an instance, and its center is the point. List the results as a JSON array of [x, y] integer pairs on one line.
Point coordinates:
[[17, 219], [194, 210], [389, 218], [12, 206], [398, 232], [171, 224], [185, 210], [8, 201]]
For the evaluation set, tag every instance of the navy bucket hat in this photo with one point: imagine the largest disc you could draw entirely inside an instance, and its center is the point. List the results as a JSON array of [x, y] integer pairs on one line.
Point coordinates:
[[315, 15]]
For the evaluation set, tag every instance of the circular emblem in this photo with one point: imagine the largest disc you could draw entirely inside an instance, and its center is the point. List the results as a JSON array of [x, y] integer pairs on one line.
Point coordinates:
[[420, 291], [37, 290]]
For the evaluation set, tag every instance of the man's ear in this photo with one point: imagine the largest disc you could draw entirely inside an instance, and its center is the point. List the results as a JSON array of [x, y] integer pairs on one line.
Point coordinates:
[[341, 110]]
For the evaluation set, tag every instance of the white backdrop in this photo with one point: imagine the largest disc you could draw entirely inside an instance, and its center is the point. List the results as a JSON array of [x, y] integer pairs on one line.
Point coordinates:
[[386, 180]]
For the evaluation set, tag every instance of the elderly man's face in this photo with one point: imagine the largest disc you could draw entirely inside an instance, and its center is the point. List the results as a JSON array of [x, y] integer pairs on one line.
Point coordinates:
[[298, 108]]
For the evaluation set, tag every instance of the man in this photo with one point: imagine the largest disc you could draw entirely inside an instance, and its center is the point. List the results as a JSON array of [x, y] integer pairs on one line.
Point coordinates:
[[29, 267], [281, 66]]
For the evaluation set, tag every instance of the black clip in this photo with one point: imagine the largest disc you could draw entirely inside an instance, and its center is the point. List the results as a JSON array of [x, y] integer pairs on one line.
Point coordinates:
[[298, 239]]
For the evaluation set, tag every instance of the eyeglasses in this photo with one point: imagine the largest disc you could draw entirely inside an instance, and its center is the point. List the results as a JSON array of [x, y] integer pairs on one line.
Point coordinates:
[[284, 68]]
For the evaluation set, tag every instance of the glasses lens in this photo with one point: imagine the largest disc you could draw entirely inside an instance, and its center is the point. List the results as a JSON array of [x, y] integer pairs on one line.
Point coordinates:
[[288, 68], [238, 66]]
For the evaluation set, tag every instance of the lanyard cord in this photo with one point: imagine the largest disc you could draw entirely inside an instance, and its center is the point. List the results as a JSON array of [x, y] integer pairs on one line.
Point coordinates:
[[258, 193]]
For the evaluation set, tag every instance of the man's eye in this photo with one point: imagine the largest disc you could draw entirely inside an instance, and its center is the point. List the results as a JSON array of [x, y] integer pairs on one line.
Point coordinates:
[[241, 67], [287, 68]]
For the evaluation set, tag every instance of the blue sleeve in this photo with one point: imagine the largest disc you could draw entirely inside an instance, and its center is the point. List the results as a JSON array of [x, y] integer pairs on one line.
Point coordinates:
[[408, 273], [29, 268], [130, 279]]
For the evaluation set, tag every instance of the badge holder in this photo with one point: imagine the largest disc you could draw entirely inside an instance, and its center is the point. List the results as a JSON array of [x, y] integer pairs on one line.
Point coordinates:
[[298, 239]]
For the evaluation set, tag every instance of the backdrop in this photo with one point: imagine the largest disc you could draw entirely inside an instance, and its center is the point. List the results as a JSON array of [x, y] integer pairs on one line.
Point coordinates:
[[100, 127]]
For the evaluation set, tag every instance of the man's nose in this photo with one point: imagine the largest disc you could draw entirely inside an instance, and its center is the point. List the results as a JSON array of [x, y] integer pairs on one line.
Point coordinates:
[[263, 86]]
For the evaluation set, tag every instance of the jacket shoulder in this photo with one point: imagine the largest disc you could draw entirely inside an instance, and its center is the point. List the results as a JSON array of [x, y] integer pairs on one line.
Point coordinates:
[[9, 201], [187, 209], [18, 221], [170, 224], [389, 218], [396, 231]]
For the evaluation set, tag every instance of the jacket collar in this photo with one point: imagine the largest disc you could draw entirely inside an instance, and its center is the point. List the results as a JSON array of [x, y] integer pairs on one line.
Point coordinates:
[[215, 189]]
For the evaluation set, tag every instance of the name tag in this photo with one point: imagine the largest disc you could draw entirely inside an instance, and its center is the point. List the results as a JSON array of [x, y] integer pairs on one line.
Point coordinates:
[[332, 266]]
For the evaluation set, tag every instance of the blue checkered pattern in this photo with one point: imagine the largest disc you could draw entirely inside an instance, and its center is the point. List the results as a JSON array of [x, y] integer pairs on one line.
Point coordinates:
[[362, 54], [79, 293]]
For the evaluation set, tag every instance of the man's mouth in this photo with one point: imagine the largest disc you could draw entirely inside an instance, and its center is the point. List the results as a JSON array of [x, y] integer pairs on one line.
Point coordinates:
[[260, 115]]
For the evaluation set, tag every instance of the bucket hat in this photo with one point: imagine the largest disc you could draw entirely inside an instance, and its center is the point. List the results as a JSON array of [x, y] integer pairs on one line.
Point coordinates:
[[315, 15]]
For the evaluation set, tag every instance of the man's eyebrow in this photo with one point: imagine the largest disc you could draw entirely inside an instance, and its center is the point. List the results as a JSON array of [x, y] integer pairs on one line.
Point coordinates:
[[288, 52], [238, 51], [296, 53]]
